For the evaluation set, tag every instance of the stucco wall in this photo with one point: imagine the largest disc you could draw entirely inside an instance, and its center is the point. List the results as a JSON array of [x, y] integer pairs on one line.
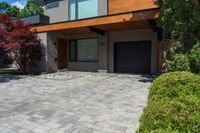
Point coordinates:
[[52, 50], [60, 14], [50, 41], [133, 35], [102, 54], [42, 66], [102, 7], [105, 49]]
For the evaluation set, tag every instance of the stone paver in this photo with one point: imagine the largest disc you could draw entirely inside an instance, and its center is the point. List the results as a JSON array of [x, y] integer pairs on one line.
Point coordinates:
[[81, 103]]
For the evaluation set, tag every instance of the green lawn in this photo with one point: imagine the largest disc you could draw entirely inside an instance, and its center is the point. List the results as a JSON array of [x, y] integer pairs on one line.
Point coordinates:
[[8, 71]]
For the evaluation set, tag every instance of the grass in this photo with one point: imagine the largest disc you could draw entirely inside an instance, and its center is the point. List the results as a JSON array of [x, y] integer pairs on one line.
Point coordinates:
[[173, 105], [8, 71]]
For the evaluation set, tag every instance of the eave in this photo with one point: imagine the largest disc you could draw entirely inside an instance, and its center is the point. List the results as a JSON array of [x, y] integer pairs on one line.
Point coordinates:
[[150, 14]]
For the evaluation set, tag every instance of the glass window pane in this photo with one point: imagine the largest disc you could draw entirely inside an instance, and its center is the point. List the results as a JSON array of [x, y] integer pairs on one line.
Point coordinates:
[[73, 50], [72, 9], [52, 5], [87, 50], [87, 8]]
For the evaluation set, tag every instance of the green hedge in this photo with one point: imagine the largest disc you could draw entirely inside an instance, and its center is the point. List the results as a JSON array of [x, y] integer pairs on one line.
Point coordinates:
[[173, 105], [8, 71]]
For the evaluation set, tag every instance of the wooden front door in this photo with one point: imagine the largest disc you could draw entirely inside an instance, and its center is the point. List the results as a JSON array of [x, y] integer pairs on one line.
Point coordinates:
[[62, 53]]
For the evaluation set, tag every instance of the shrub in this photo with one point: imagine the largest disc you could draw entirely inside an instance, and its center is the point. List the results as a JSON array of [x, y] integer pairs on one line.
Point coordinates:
[[176, 60], [195, 58], [22, 45], [174, 105], [179, 63]]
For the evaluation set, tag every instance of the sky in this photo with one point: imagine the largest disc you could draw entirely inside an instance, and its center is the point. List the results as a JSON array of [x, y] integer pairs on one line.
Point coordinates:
[[18, 3]]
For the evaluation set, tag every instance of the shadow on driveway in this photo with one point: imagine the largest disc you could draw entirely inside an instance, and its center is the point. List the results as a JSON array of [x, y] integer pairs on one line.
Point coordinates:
[[6, 78], [147, 78]]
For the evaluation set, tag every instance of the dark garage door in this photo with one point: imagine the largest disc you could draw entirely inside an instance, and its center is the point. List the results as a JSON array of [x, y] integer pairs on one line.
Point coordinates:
[[133, 57]]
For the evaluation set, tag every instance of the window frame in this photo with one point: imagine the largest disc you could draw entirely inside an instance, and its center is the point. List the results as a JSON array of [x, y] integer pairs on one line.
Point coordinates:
[[53, 1], [76, 11], [76, 50]]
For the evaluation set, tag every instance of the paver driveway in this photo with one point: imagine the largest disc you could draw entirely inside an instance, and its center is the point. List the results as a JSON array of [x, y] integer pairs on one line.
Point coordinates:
[[84, 103]]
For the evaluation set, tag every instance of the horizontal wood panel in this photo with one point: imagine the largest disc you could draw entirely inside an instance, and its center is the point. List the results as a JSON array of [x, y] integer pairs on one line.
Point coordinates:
[[125, 26], [111, 27], [120, 6], [129, 17]]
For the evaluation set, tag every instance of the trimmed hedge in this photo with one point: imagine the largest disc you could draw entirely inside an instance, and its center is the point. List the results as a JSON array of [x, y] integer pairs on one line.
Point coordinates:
[[173, 105], [8, 71]]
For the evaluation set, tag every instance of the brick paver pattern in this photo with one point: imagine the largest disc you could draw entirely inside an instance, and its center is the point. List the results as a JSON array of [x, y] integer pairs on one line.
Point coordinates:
[[84, 103]]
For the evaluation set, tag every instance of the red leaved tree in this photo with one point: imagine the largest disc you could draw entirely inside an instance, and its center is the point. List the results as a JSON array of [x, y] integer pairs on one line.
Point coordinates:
[[22, 45]]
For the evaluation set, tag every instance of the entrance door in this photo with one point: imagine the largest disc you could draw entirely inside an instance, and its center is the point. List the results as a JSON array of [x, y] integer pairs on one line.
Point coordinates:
[[133, 57], [62, 53]]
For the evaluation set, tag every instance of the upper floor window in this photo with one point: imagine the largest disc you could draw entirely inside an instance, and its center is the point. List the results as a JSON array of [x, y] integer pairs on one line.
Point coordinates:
[[79, 9], [53, 4]]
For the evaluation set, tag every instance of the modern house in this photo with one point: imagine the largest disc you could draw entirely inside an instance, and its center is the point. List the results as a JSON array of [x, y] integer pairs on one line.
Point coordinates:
[[100, 35]]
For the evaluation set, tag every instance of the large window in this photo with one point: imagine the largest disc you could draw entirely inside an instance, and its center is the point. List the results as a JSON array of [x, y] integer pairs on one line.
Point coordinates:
[[52, 4], [79, 9], [84, 50]]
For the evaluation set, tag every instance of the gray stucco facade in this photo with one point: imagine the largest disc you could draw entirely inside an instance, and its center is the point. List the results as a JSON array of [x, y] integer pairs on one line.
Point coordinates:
[[106, 61], [134, 35], [61, 13], [105, 49]]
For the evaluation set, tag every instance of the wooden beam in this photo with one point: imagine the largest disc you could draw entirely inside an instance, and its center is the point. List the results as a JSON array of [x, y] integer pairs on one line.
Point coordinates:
[[120, 18]]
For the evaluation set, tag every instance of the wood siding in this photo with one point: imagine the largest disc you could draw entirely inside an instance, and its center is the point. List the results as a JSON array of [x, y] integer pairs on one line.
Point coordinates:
[[129, 17], [121, 6], [62, 53]]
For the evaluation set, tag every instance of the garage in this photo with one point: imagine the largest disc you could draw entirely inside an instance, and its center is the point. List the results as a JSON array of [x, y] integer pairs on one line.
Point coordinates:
[[132, 57]]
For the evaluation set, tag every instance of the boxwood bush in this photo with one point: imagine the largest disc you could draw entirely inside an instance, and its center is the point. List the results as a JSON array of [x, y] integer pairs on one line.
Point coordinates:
[[173, 105]]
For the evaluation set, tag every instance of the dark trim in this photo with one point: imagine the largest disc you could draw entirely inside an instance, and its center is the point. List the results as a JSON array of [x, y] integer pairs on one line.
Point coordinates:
[[46, 7], [84, 61], [70, 50], [108, 50], [35, 20], [96, 30], [114, 56], [49, 1], [76, 9], [153, 25], [76, 50], [32, 16], [115, 48], [109, 15], [107, 7]]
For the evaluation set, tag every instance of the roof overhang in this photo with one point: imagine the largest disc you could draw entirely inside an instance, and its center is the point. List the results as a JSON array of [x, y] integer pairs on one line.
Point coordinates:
[[105, 21]]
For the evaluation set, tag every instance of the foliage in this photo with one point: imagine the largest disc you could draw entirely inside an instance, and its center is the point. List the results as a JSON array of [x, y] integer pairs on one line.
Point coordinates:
[[174, 104], [31, 9], [8, 71], [195, 58], [14, 12], [176, 61], [182, 19], [20, 42], [180, 63]]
